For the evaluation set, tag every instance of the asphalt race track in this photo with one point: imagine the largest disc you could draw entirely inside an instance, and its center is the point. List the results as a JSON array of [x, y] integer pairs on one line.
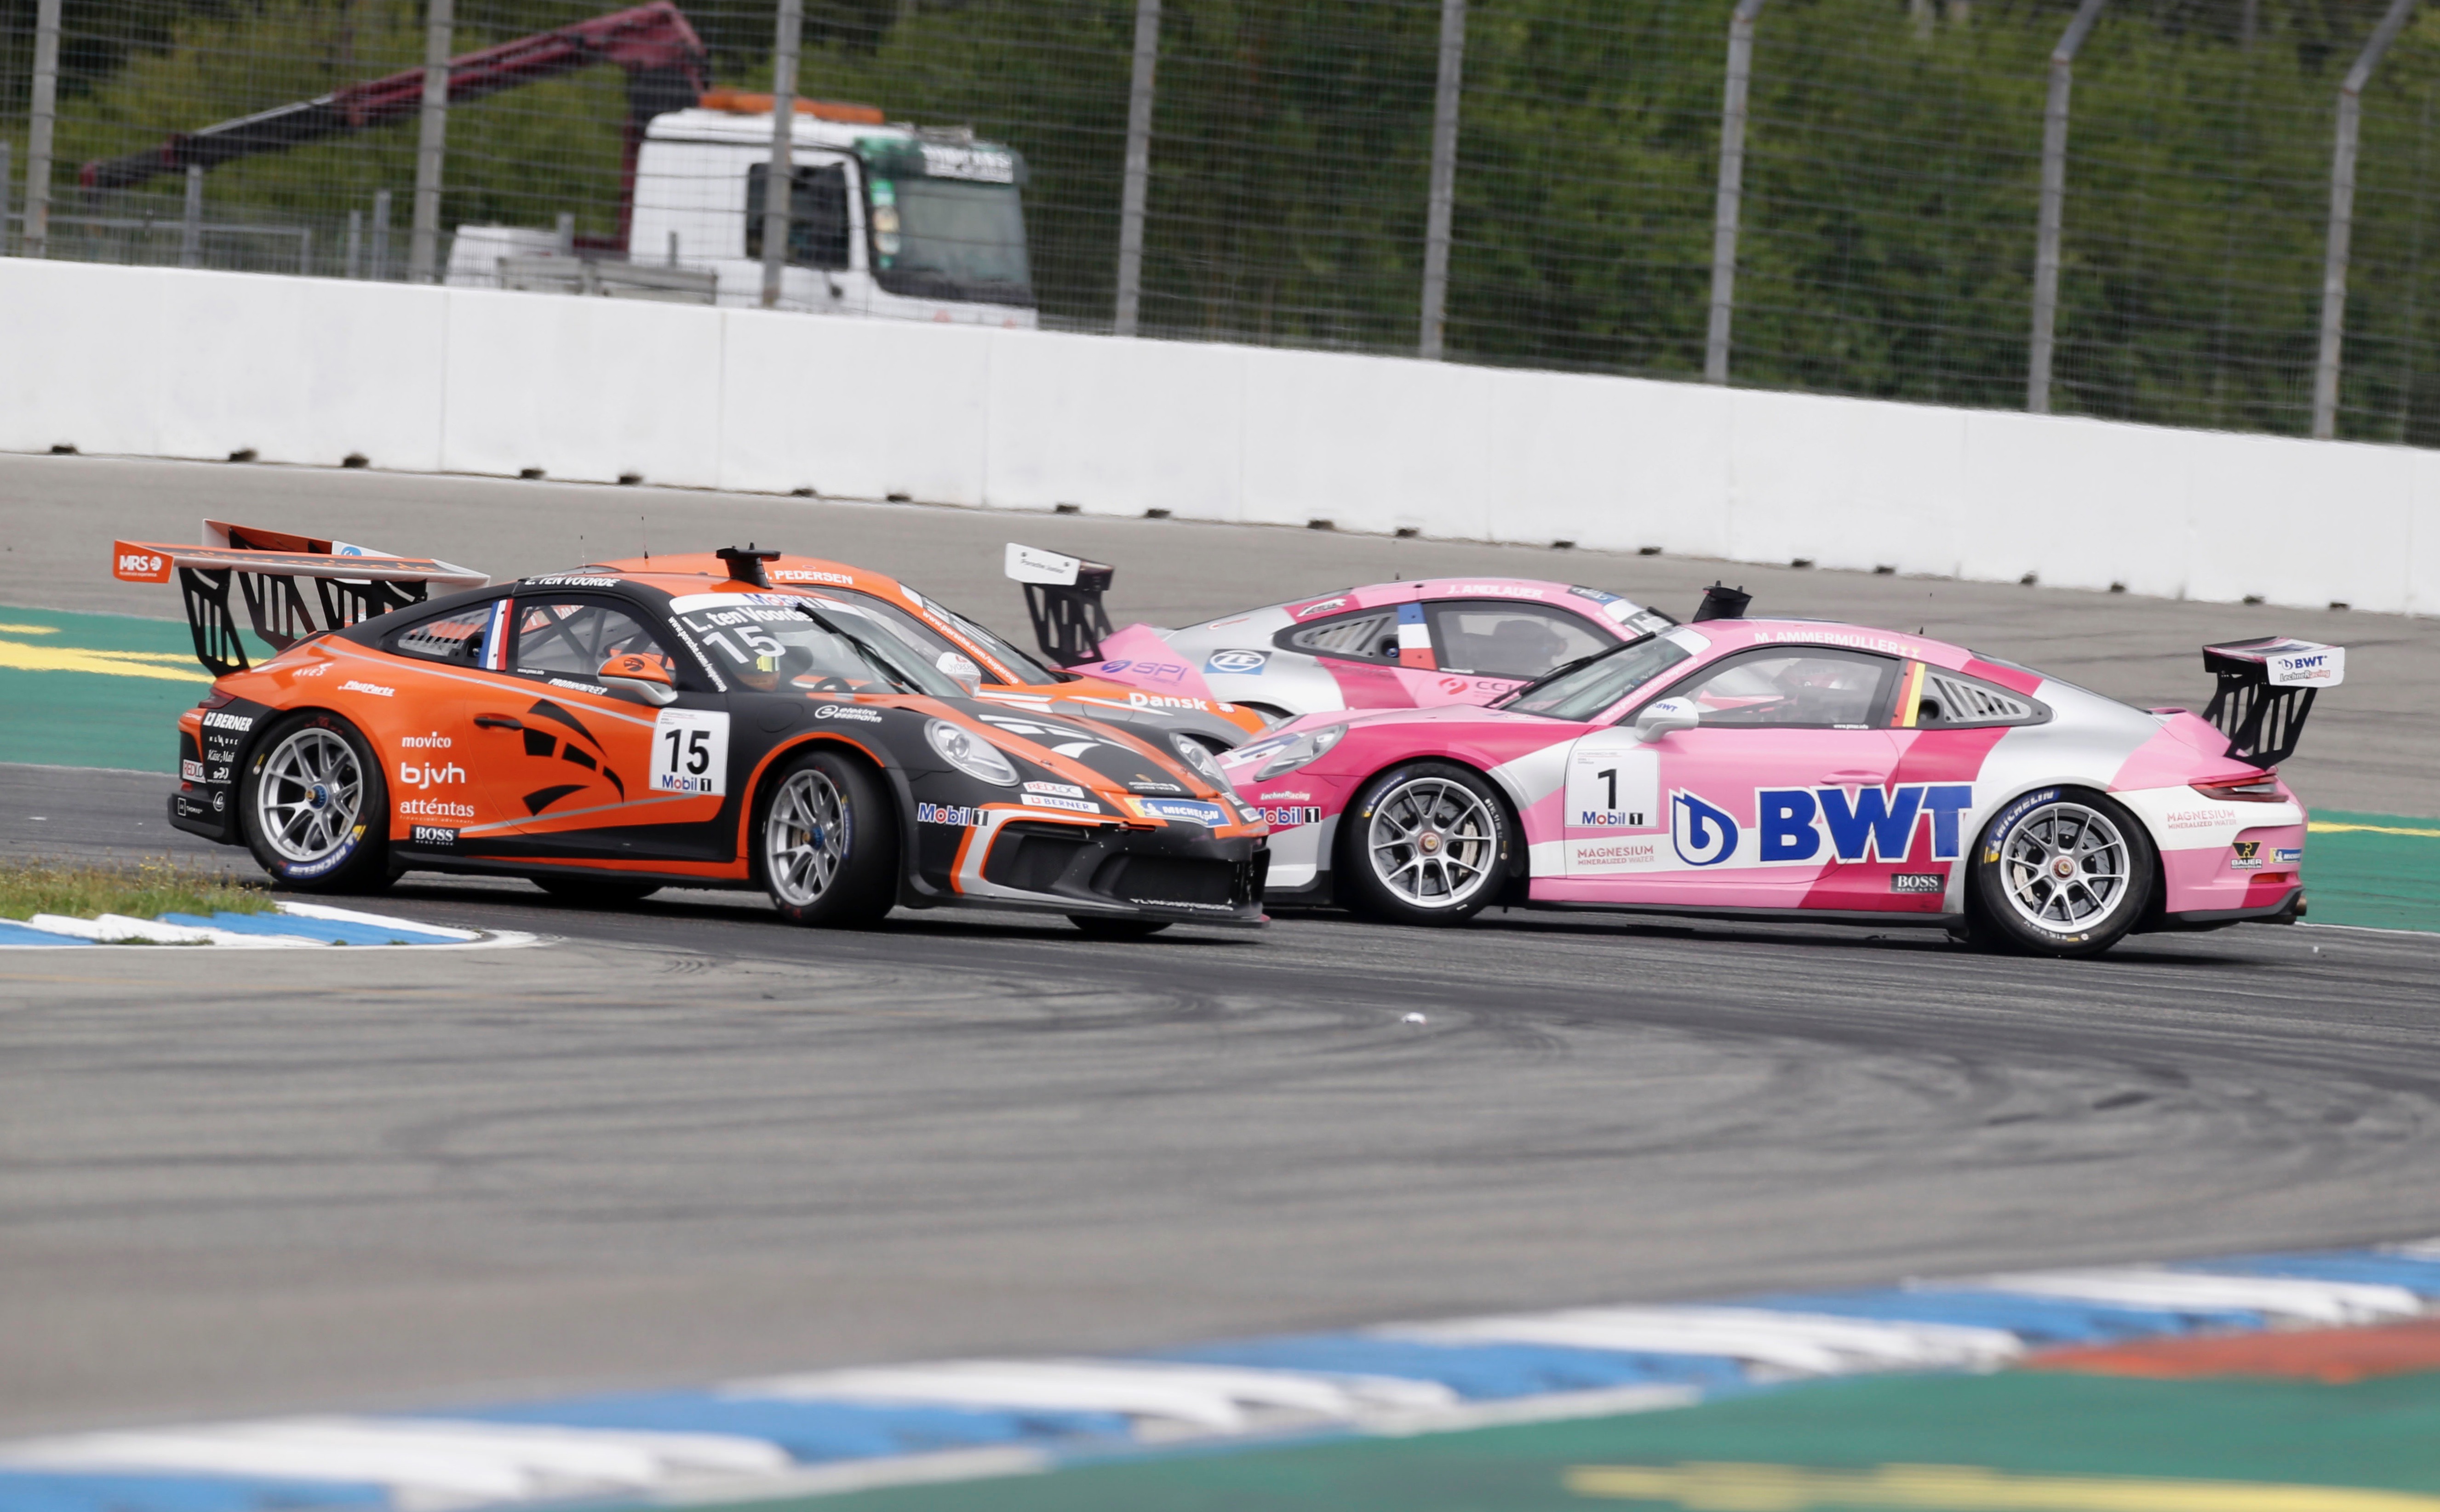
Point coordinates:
[[690, 1140], [684, 1141]]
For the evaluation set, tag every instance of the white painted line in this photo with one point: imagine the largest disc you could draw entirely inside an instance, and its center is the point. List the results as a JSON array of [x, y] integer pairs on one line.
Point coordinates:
[[1555, 1407], [1803, 1344], [2334, 1303], [1216, 1399], [861, 1476], [349, 916], [431, 1466]]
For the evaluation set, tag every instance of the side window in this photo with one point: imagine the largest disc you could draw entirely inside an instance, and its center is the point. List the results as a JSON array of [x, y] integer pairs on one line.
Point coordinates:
[[817, 229], [1371, 637], [1800, 688], [454, 635], [1510, 640], [1952, 700], [573, 637]]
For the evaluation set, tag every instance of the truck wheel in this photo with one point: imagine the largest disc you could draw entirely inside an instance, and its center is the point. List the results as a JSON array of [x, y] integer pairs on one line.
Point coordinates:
[[314, 808], [2063, 872], [826, 843], [1424, 843]]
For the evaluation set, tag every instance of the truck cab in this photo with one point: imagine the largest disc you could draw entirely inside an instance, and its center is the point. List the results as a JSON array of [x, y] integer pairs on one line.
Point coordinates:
[[913, 223]]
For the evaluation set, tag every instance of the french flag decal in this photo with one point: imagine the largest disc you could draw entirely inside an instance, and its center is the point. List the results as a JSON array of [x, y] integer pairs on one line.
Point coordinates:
[[1415, 639], [495, 637]]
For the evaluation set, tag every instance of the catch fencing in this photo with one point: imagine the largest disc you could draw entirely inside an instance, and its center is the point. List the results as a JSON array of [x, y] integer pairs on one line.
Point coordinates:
[[2213, 213]]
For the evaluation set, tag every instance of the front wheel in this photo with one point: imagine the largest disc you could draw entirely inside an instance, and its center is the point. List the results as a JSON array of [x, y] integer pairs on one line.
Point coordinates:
[[2064, 872], [314, 808], [825, 845], [1424, 843]]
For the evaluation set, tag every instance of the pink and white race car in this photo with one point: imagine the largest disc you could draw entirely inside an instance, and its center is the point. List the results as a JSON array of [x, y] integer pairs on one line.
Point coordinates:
[[1803, 769], [1383, 646]]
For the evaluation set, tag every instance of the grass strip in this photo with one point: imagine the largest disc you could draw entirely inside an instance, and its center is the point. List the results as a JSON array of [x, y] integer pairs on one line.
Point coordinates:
[[140, 890]]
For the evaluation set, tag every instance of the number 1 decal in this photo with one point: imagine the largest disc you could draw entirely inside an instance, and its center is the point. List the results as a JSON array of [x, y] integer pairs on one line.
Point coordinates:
[[691, 752]]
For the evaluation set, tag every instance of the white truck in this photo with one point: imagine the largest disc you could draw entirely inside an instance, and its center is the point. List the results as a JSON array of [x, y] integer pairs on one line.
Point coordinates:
[[907, 222]]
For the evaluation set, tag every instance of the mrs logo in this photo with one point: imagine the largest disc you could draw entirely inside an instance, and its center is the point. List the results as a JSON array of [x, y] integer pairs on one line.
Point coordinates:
[[1703, 835]]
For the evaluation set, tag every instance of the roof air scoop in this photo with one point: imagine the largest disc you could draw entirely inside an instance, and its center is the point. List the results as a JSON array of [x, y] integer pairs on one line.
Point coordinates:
[[1720, 602], [745, 566]]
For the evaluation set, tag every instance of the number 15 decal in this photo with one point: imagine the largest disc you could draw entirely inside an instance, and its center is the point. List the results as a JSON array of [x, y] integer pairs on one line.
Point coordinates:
[[691, 752]]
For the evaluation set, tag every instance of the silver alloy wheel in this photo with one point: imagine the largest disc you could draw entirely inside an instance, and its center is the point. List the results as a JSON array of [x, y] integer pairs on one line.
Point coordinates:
[[310, 795], [2065, 867], [1433, 842], [805, 837]]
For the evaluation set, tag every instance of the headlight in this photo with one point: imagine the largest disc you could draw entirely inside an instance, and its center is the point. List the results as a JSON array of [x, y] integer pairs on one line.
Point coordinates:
[[1281, 754], [1199, 760], [970, 755]]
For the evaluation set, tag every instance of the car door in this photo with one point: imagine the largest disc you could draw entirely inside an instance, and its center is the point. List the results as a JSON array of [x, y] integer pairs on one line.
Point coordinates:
[[586, 772], [1781, 786], [1485, 648], [441, 670]]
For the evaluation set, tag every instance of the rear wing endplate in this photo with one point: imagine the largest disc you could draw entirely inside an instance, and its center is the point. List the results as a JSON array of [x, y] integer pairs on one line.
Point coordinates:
[[352, 583], [2264, 689], [1064, 596]]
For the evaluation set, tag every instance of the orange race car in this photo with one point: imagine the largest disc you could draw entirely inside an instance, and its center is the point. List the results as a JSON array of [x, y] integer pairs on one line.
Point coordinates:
[[688, 721]]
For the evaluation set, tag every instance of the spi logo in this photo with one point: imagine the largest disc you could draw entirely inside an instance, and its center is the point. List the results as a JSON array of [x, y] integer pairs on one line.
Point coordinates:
[[1874, 824], [1240, 664], [1704, 835]]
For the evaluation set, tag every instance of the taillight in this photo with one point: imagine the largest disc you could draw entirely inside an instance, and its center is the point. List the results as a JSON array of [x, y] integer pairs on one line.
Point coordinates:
[[2254, 787], [215, 699]]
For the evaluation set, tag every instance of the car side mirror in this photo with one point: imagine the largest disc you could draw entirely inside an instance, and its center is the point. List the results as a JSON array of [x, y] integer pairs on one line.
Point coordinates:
[[968, 675], [639, 680], [1667, 717]]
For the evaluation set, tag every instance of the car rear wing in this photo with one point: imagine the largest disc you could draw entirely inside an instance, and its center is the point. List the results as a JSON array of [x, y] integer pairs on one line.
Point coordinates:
[[352, 583], [1064, 596], [2265, 688]]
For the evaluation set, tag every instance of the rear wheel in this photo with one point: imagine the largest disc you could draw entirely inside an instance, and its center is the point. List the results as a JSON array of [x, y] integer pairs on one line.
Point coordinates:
[[1424, 843], [1101, 927], [825, 844], [2066, 875], [597, 891], [315, 810]]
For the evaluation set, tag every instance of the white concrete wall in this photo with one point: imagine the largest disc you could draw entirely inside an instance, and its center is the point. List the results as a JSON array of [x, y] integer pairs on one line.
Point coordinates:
[[159, 361]]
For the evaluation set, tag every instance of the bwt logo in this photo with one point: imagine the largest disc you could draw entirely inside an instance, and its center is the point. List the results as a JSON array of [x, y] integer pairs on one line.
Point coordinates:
[[427, 775], [1874, 824]]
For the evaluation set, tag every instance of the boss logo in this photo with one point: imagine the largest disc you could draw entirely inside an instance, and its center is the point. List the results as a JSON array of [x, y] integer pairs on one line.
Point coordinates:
[[434, 835]]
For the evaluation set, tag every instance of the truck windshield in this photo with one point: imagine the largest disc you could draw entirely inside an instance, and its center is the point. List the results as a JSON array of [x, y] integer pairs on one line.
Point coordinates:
[[945, 239]]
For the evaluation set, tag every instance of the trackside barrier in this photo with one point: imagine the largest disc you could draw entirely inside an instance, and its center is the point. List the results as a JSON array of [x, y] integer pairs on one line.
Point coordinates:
[[175, 362]]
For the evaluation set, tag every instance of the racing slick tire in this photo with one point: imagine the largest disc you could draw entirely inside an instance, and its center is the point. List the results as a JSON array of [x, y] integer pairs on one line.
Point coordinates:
[[2060, 872], [314, 808], [826, 843], [1427, 842], [596, 892], [1103, 927]]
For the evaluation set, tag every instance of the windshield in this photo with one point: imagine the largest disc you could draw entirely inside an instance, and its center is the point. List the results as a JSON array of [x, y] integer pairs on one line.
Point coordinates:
[[1582, 689], [1025, 667], [823, 648], [948, 240]]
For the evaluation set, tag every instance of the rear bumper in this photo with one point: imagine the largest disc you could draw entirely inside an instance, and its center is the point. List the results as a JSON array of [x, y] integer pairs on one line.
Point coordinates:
[[2287, 909]]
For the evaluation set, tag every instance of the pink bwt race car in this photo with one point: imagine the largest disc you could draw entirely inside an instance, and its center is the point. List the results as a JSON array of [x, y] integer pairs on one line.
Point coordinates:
[[1799, 770]]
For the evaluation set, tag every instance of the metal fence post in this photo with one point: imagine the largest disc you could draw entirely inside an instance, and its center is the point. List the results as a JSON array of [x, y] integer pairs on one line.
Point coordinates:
[[39, 120], [191, 233], [1444, 181], [381, 233], [1138, 169], [2053, 206], [3, 197], [356, 243], [775, 182], [1731, 189], [2342, 207], [424, 245]]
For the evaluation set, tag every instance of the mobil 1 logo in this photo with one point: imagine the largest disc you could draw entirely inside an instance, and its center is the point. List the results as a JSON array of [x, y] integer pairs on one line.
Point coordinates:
[[1612, 788], [691, 752]]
